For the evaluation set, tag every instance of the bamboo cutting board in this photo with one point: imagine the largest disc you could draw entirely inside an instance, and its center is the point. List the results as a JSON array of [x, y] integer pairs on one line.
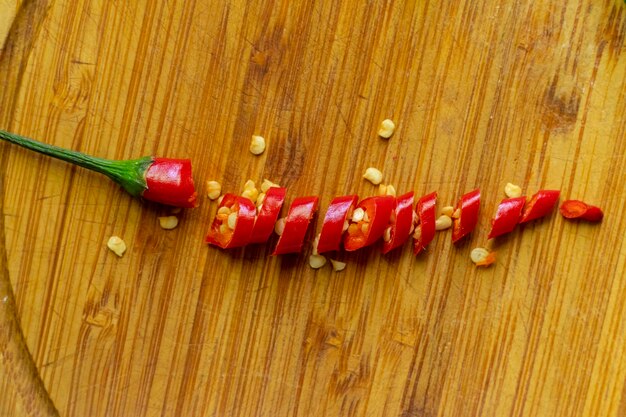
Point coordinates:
[[483, 93]]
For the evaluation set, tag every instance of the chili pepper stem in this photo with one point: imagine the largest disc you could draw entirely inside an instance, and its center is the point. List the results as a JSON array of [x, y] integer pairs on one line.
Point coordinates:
[[127, 173]]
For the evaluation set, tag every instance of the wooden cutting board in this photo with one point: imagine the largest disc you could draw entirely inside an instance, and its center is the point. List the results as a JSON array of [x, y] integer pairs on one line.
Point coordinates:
[[483, 93]]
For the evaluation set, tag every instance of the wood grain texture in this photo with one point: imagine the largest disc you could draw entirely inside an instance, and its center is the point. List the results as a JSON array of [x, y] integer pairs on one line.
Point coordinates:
[[483, 93]]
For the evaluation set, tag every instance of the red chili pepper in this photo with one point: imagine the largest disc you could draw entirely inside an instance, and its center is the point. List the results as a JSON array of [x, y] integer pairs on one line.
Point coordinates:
[[333, 226], [507, 216], [540, 205], [401, 222], [223, 236], [576, 209], [162, 180], [300, 214], [169, 181], [268, 213], [426, 215], [367, 231], [469, 205]]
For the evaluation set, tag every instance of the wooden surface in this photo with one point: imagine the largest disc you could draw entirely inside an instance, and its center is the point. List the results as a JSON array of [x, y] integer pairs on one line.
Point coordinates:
[[483, 93]]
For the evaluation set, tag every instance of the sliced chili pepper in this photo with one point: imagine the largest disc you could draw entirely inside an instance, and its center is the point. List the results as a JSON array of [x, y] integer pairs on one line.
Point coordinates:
[[334, 220], [367, 231], [576, 209], [300, 214], [223, 236], [540, 205], [268, 213], [427, 216], [401, 222], [162, 180], [507, 216], [469, 206]]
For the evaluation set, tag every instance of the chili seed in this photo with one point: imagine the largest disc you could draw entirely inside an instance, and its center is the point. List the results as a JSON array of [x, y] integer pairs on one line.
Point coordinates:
[[257, 145], [358, 215], [387, 127], [117, 245], [448, 211], [232, 220], [279, 226], [443, 222], [214, 189], [223, 210], [373, 175], [267, 184], [317, 261], [387, 234], [512, 190], [337, 265], [168, 222]]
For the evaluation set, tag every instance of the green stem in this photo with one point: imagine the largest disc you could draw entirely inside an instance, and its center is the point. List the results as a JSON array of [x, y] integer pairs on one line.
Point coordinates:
[[129, 174]]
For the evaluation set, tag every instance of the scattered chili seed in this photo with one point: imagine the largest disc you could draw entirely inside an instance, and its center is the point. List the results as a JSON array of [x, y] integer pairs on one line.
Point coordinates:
[[214, 189], [387, 127], [576, 209], [117, 245], [512, 190], [482, 257], [317, 261], [257, 145], [373, 175], [168, 222], [443, 222], [338, 265], [267, 184]]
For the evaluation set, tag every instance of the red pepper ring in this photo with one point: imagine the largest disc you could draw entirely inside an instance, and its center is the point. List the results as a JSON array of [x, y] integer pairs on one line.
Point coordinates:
[[507, 216], [367, 231], [540, 205], [268, 213], [576, 209], [300, 214], [426, 216], [334, 220], [469, 206], [400, 222], [221, 235]]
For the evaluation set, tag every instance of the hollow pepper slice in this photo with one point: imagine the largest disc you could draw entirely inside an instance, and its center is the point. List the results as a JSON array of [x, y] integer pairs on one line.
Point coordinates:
[[268, 213], [221, 235], [540, 205], [469, 206], [576, 209], [368, 230], [400, 222], [425, 230], [507, 216], [300, 214], [334, 220]]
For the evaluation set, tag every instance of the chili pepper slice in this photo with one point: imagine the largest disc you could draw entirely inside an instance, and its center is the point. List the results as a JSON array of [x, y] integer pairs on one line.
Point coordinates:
[[507, 216], [576, 209], [426, 216], [334, 220], [268, 213], [469, 206], [401, 222], [367, 231], [540, 205], [300, 214], [221, 235]]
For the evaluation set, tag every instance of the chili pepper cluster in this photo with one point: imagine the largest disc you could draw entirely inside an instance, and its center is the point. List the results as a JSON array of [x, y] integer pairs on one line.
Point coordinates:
[[356, 224]]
